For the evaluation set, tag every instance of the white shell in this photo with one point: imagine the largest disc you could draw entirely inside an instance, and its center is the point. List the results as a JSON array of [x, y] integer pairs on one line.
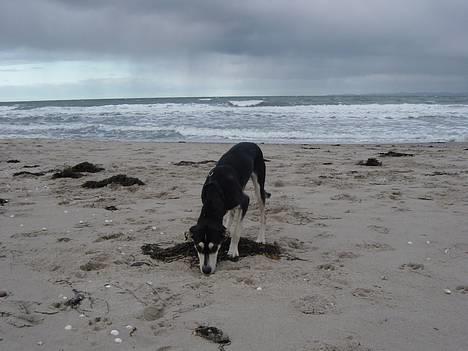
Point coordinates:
[[68, 327], [118, 340], [114, 332]]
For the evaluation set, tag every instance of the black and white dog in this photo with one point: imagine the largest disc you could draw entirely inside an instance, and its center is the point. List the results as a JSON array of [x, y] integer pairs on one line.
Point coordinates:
[[223, 193]]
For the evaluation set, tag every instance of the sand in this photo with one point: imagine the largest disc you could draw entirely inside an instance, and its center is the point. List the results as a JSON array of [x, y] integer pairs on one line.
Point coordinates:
[[383, 250]]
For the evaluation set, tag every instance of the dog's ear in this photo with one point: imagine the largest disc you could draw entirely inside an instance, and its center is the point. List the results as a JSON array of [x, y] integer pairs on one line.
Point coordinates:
[[192, 231]]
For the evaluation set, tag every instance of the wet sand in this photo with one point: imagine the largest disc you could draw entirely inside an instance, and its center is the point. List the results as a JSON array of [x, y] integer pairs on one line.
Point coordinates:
[[383, 250]]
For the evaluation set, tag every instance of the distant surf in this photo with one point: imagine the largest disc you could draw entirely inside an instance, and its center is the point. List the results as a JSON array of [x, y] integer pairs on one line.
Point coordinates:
[[321, 119]]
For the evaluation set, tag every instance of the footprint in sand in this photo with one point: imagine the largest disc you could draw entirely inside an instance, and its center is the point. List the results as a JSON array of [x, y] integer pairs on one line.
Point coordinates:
[[412, 266], [315, 304], [373, 295], [326, 267], [463, 289], [354, 346], [20, 313], [379, 229], [345, 196], [375, 246]]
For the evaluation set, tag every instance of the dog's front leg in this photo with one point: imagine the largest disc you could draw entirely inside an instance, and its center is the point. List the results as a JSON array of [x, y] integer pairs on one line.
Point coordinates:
[[235, 235]]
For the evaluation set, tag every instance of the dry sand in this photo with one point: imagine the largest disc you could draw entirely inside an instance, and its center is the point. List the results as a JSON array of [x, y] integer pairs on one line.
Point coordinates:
[[379, 247]]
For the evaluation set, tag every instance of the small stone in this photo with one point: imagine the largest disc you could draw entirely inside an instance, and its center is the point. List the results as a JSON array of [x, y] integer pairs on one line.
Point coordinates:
[[447, 291], [114, 332], [428, 242], [259, 288], [107, 285], [129, 326], [410, 243], [44, 228], [40, 343], [446, 251], [3, 293], [118, 340], [68, 327], [384, 277], [153, 228], [12, 216]]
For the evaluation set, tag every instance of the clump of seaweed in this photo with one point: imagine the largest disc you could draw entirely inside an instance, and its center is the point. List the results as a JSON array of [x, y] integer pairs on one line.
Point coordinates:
[[213, 334], [120, 179], [193, 163], [75, 171], [370, 162], [392, 153], [247, 247], [26, 173]]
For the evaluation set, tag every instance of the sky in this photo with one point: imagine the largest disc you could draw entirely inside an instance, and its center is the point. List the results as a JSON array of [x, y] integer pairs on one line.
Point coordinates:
[[72, 49]]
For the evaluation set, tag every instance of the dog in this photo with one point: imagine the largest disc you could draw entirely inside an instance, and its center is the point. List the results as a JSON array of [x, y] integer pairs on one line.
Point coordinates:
[[223, 195]]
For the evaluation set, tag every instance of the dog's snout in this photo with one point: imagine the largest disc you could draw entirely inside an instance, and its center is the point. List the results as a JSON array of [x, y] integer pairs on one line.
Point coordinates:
[[206, 269]]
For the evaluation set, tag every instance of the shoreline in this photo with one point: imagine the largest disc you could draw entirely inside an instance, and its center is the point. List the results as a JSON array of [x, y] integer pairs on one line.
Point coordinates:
[[386, 144], [382, 250]]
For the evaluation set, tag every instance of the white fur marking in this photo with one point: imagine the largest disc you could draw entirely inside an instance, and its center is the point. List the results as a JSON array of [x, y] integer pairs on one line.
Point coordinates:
[[201, 245], [261, 205], [236, 233], [210, 245]]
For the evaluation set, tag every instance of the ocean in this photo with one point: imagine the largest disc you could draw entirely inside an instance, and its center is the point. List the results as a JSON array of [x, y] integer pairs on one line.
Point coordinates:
[[278, 119]]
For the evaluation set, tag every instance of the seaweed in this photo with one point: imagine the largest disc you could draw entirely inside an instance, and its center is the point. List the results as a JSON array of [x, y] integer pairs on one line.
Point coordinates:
[[370, 162], [67, 173], [35, 174], [193, 163], [247, 247], [213, 334], [75, 171], [121, 179], [86, 167], [394, 154]]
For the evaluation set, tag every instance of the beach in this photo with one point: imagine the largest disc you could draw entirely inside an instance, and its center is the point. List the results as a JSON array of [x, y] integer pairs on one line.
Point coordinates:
[[376, 257]]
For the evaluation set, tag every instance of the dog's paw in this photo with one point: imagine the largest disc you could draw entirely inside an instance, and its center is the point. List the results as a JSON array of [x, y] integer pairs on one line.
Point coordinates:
[[232, 254]]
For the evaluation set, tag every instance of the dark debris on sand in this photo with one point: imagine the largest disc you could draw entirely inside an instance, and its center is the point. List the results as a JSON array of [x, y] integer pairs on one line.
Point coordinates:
[[120, 179], [26, 173], [394, 154], [111, 208], [370, 162], [13, 161], [3, 201], [75, 171], [213, 334], [186, 249], [193, 163]]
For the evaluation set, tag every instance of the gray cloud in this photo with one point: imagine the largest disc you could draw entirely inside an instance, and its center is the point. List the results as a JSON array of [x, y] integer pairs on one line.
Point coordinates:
[[266, 42]]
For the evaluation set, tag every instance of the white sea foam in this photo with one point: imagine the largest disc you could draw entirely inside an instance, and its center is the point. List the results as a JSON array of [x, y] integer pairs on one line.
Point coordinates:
[[204, 122], [245, 103]]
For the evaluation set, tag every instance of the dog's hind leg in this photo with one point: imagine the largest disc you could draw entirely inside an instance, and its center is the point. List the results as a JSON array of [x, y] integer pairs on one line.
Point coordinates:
[[229, 220], [235, 234], [261, 205], [239, 213]]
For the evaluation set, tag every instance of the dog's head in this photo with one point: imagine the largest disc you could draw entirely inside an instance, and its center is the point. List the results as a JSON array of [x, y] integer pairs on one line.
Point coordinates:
[[207, 239]]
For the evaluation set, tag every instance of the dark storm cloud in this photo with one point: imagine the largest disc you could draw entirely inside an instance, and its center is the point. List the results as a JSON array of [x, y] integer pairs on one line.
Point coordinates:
[[267, 39]]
